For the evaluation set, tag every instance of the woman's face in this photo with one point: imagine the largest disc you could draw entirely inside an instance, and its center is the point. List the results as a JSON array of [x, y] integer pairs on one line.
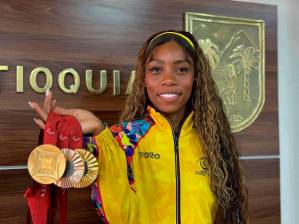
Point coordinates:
[[169, 76]]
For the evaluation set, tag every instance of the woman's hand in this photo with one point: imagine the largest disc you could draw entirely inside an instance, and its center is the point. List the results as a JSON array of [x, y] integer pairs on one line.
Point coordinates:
[[88, 121]]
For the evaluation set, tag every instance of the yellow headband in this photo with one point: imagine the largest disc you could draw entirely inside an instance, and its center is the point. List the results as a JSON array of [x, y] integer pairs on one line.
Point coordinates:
[[178, 34]]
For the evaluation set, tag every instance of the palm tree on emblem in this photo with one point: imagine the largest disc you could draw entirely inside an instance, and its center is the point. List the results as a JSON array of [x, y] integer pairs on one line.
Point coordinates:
[[211, 51], [245, 60]]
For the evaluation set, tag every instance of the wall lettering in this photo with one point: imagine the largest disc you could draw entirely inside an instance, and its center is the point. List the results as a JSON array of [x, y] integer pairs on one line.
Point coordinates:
[[76, 81]]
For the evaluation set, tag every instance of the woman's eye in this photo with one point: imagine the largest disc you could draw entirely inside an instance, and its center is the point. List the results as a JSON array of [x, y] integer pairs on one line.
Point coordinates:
[[155, 70], [182, 70]]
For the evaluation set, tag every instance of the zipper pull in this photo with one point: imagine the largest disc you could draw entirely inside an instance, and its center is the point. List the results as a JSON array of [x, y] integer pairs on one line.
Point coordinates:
[[176, 139]]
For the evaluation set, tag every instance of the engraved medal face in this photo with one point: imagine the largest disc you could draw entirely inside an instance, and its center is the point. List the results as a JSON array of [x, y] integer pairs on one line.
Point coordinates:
[[74, 169], [91, 168], [46, 164], [235, 48]]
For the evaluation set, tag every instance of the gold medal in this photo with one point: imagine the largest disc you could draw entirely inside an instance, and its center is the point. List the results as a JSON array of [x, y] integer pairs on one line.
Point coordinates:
[[91, 168], [46, 164], [74, 169]]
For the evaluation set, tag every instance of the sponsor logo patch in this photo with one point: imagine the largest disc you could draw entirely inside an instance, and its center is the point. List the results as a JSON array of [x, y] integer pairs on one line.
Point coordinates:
[[149, 155]]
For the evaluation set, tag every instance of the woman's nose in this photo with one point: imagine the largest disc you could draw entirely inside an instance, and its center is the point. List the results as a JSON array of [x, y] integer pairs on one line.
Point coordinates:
[[168, 77]]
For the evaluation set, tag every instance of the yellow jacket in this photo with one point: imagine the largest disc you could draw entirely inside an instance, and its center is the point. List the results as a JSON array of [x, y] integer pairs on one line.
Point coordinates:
[[161, 178]]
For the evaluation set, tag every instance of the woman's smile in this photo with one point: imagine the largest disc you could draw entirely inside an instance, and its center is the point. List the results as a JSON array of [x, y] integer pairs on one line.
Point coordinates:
[[169, 77]]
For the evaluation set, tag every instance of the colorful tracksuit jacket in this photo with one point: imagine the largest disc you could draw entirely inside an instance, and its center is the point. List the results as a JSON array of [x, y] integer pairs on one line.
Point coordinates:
[[149, 174]]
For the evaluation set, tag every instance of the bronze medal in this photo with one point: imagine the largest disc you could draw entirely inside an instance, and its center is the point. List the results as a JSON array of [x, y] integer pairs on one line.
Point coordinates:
[[74, 169], [91, 168], [46, 164]]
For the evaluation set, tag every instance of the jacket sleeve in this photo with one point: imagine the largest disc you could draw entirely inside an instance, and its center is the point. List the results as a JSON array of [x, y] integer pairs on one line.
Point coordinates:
[[112, 193]]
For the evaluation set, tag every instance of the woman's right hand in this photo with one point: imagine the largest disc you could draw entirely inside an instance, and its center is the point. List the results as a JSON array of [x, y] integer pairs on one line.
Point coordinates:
[[90, 124]]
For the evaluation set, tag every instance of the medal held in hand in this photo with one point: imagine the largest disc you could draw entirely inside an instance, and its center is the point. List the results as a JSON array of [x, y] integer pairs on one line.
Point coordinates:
[[91, 168], [66, 168], [46, 164], [74, 169]]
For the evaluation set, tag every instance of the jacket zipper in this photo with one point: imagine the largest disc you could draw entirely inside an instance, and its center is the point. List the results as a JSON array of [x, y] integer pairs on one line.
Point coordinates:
[[178, 178], [177, 167]]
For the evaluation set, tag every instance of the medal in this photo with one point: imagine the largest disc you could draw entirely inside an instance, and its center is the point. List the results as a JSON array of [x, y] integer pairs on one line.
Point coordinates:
[[91, 168], [46, 164], [74, 169]]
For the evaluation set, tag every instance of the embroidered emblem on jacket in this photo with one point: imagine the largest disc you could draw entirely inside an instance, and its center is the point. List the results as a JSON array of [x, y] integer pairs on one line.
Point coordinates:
[[203, 164]]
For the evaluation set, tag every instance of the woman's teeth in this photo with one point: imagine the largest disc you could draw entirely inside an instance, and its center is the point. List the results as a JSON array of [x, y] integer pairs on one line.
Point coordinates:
[[169, 95]]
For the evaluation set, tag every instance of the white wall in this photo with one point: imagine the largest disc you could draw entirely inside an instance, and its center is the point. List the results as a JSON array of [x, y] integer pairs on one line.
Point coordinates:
[[288, 97]]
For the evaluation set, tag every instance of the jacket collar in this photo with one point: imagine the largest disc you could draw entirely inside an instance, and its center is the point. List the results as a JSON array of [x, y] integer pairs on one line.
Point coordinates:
[[162, 121]]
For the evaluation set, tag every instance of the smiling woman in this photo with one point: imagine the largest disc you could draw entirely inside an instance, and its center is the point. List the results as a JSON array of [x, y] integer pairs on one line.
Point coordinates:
[[174, 77], [169, 78], [173, 147]]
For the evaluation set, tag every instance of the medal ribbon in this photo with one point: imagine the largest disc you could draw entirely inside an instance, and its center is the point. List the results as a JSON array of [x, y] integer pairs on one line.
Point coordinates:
[[63, 132]]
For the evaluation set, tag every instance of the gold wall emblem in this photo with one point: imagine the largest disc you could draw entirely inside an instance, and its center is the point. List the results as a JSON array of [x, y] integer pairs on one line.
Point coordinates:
[[235, 48]]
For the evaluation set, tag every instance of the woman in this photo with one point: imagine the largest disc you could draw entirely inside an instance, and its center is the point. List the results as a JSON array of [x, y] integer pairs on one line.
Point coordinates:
[[180, 163]]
